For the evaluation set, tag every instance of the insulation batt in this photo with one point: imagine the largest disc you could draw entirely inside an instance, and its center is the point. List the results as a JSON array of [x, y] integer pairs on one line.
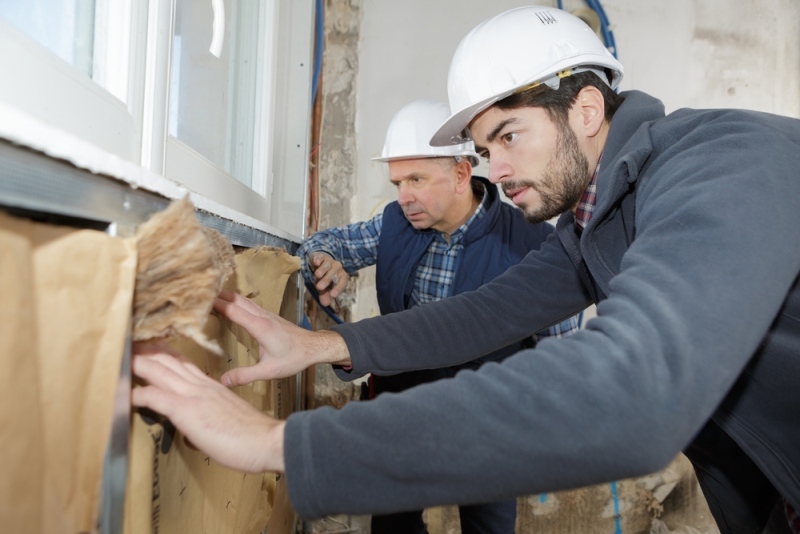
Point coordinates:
[[182, 266]]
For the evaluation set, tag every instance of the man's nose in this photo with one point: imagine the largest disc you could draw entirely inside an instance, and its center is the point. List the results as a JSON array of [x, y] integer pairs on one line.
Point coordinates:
[[404, 195], [498, 170]]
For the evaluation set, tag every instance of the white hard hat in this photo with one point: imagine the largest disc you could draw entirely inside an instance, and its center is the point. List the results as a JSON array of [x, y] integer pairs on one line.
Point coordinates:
[[410, 132], [514, 50]]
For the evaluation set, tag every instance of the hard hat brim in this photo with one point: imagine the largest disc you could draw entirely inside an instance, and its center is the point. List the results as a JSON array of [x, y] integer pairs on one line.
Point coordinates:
[[450, 132], [471, 157]]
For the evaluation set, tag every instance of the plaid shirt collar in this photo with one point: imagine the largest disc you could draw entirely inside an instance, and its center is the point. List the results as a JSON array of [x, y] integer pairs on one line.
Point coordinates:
[[583, 213]]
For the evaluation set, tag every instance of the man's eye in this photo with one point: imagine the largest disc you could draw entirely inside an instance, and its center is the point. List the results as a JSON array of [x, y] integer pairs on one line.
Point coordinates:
[[484, 155], [507, 138], [416, 179]]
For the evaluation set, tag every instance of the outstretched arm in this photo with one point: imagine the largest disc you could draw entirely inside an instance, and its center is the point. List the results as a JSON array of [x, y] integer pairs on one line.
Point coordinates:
[[544, 289]]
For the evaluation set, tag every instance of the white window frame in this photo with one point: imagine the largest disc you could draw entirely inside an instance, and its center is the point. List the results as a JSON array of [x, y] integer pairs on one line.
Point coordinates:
[[106, 112], [40, 86], [280, 162]]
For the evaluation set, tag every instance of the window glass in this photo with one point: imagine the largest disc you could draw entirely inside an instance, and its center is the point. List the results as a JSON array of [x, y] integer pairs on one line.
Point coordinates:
[[215, 84], [65, 27]]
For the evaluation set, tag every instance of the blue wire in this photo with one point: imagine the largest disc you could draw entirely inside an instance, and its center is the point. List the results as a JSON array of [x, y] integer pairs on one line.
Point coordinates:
[[560, 5], [320, 28], [326, 309], [608, 35]]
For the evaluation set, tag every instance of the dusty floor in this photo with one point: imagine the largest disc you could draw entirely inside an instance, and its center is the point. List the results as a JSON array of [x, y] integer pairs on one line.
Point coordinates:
[[662, 503], [667, 502]]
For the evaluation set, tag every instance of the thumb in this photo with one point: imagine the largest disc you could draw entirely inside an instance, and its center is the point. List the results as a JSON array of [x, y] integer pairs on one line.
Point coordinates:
[[242, 376]]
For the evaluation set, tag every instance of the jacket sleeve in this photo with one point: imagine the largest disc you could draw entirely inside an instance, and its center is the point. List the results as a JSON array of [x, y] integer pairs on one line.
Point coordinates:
[[540, 291], [696, 293]]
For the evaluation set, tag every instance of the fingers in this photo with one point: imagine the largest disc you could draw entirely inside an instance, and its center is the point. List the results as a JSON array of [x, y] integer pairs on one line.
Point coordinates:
[[323, 268], [253, 323], [227, 294], [153, 398], [169, 374], [317, 258], [245, 375], [238, 300], [340, 285], [324, 264], [325, 299], [332, 277]]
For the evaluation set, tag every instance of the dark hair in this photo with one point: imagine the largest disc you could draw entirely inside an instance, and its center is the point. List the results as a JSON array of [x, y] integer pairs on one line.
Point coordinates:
[[557, 102]]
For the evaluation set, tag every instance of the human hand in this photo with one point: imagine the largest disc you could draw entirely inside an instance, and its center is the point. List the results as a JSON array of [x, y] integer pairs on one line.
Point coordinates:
[[284, 349], [217, 421], [330, 275]]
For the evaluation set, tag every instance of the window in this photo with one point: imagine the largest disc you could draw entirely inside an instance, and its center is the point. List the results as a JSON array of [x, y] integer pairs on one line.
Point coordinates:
[[64, 27], [211, 94], [217, 82]]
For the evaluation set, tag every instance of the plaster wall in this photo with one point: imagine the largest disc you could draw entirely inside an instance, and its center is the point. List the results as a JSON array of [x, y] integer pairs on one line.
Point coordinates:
[[689, 53]]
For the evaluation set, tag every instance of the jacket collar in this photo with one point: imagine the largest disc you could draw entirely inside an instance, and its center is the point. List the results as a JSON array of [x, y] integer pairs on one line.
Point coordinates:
[[492, 206], [625, 152]]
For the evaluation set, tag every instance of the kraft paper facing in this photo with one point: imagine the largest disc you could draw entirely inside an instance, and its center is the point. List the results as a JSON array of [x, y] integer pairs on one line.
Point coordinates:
[[79, 291], [22, 472], [173, 488]]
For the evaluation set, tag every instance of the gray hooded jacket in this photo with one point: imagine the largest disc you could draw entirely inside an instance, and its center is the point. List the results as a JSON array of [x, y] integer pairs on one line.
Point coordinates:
[[692, 255]]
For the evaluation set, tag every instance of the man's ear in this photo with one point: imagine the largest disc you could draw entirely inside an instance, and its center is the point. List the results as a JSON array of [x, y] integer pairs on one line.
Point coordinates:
[[463, 174], [591, 107]]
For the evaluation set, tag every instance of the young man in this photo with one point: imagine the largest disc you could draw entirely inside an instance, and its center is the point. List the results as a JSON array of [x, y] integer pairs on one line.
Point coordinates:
[[447, 233], [696, 346]]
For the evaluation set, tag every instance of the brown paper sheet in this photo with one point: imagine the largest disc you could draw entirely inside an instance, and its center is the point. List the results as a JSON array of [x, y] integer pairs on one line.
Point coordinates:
[[80, 286], [84, 281], [178, 489], [22, 471]]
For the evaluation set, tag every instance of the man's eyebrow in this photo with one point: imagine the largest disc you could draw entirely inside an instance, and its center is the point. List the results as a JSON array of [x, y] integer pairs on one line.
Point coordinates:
[[499, 128], [408, 176]]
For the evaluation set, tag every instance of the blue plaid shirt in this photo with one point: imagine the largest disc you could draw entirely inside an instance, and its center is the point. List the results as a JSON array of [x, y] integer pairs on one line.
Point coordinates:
[[356, 247]]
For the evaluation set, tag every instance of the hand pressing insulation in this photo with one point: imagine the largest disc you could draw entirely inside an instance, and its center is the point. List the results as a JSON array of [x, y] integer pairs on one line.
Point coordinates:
[[284, 349], [217, 421]]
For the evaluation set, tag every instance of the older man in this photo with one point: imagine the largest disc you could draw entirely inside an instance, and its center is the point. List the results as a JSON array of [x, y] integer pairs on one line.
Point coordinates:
[[696, 346]]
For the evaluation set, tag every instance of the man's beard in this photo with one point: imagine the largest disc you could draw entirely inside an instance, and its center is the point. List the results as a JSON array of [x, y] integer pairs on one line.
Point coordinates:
[[563, 181]]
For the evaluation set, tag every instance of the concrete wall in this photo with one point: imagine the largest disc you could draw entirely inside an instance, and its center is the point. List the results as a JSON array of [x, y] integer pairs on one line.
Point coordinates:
[[689, 53]]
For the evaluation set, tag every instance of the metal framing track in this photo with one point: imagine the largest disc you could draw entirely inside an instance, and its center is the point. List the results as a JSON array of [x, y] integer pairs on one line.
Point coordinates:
[[34, 183]]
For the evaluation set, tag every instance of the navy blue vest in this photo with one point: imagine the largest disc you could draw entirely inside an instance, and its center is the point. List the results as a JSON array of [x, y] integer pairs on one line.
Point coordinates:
[[500, 239]]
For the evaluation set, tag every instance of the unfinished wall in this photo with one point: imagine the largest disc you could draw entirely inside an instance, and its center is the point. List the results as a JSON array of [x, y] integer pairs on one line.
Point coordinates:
[[338, 156]]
